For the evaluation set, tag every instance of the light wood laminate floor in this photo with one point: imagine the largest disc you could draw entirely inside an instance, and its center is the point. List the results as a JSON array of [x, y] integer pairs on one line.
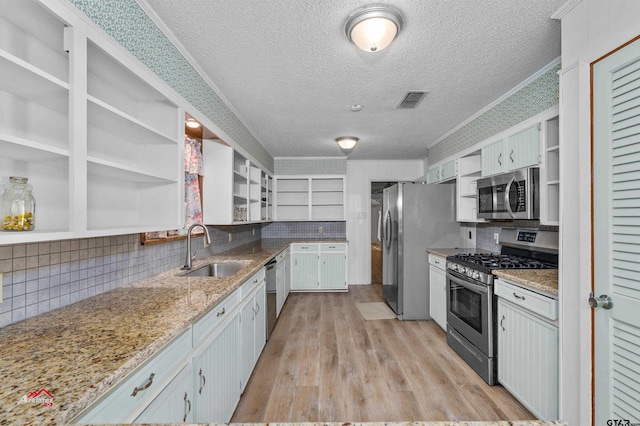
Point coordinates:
[[324, 363]]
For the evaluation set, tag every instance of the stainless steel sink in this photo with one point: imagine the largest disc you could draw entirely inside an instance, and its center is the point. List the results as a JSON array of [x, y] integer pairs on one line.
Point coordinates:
[[221, 269], [218, 269]]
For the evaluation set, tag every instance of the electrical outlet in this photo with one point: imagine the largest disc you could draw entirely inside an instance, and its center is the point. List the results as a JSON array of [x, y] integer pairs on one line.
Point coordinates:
[[320, 230], [230, 236], [0, 287], [496, 237]]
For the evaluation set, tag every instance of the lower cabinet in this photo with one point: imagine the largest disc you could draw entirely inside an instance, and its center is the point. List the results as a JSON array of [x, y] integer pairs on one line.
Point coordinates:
[[253, 324], [281, 281], [199, 376], [174, 404], [143, 387], [438, 290], [216, 374], [528, 349], [320, 267]]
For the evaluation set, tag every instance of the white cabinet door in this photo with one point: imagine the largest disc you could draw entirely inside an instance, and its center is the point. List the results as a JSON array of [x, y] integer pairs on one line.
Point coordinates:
[[253, 332], [528, 359], [174, 404], [280, 286], [433, 175], [493, 158], [304, 271], [216, 374], [332, 271], [448, 170], [523, 148], [437, 291], [287, 273]]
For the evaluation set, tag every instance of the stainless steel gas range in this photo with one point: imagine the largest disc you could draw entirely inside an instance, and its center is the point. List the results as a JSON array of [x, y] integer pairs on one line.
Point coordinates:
[[471, 304]]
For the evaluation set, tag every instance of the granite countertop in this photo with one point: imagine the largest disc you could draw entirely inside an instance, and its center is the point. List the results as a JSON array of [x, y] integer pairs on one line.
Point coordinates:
[[543, 281], [79, 351], [444, 252]]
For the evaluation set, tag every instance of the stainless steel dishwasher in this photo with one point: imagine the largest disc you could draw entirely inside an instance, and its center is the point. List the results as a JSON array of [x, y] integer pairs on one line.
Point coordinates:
[[271, 296]]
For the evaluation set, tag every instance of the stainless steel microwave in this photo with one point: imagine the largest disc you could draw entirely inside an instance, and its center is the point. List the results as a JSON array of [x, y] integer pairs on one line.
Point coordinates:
[[513, 195]]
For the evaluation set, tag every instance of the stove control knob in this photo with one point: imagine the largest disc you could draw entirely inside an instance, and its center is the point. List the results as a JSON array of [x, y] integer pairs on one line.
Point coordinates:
[[453, 266], [462, 269], [476, 275]]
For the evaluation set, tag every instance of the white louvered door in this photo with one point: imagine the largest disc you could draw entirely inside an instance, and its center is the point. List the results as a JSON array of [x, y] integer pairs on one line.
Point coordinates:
[[616, 230]]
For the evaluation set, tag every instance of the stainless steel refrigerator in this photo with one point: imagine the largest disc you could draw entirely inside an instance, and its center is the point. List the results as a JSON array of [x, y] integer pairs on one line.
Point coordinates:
[[415, 216]]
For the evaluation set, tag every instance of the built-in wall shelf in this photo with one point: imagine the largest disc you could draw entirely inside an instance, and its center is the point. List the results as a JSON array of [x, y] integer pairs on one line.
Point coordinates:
[[313, 198], [96, 134]]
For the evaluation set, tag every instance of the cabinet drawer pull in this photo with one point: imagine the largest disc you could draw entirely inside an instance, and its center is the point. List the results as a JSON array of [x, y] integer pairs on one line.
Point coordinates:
[[518, 297], [203, 381], [145, 386], [221, 313], [332, 246], [184, 419]]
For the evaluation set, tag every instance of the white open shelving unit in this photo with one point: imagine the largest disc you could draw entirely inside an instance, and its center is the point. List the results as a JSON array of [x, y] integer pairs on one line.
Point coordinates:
[[314, 198], [235, 190], [97, 134]]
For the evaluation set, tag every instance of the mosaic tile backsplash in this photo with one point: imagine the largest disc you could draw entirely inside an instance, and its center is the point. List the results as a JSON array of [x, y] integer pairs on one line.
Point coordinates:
[[40, 277], [301, 230], [130, 26]]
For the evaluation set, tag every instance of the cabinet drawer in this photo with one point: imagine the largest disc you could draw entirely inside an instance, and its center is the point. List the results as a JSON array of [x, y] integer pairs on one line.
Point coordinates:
[[333, 247], [214, 317], [437, 261], [535, 302], [280, 257], [304, 247], [120, 406], [252, 283]]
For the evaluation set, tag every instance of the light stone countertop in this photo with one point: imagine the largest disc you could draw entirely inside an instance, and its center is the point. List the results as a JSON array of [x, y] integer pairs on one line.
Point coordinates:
[[543, 281], [78, 352], [444, 252]]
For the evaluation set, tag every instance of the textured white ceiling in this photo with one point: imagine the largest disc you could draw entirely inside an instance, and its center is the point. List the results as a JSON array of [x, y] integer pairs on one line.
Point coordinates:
[[291, 75]]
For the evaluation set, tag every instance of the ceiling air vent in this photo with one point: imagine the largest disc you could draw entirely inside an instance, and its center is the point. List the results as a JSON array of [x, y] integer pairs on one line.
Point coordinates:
[[411, 100]]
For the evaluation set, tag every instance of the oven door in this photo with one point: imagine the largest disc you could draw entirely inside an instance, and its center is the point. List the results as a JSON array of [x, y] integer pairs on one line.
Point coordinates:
[[470, 311]]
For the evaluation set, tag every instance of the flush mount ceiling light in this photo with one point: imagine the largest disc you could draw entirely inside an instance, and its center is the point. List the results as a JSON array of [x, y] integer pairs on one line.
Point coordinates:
[[373, 28], [192, 123], [347, 143]]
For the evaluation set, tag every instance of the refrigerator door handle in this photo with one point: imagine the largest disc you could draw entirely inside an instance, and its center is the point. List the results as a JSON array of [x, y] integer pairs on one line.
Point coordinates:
[[388, 230]]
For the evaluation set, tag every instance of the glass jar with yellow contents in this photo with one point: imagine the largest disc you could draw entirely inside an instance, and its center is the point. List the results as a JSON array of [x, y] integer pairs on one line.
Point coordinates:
[[17, 206]]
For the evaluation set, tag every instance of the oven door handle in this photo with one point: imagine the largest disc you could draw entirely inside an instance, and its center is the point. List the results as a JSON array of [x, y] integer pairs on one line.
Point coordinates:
[[478, 288]]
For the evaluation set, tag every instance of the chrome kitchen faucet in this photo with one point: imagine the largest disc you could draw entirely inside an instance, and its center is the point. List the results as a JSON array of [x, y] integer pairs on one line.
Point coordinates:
[[207, 242]]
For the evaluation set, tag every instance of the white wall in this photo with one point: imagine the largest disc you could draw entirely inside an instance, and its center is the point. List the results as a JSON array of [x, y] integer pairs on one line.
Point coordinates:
[[590, 29], [360, 174]]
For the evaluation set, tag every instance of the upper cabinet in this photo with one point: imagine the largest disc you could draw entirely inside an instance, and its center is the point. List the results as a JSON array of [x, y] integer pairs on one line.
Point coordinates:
[[235, 190], [515, 151], [315, 198], [98, 135], [534, 143], [443, 172]]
